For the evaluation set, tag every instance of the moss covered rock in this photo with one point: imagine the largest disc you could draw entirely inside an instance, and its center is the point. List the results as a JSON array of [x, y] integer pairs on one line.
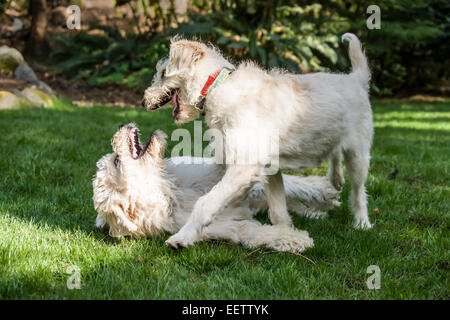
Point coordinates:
[[10, 59], [37, 98], [9, 100]]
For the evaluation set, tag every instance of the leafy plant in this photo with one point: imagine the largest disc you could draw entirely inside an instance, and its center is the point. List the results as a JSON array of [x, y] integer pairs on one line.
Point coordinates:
[[281, 36], [108, 58], [410, 51]]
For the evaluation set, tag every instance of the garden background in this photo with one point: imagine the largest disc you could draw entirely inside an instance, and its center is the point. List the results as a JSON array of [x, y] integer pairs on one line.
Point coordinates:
[[64, 92]]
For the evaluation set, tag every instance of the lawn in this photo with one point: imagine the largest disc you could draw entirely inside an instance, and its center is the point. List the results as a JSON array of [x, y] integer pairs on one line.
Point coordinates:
[[47, 219]]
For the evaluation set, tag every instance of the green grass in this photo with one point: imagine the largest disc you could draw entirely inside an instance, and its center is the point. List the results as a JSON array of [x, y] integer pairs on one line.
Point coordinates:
[[47, 219]]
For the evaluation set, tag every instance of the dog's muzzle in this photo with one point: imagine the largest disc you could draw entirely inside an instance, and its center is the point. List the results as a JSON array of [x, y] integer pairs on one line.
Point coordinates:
[[167, 98]]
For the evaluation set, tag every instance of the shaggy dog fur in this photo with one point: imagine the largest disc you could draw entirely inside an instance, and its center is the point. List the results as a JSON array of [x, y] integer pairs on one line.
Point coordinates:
[[318, 116], [138, 193]]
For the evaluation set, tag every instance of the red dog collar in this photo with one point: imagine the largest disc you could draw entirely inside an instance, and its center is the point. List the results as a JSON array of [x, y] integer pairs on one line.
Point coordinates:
[[213, 81], [208, 83]]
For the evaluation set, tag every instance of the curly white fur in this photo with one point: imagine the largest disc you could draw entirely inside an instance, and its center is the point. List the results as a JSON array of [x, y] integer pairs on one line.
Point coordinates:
[[142, 194], [318, 116]]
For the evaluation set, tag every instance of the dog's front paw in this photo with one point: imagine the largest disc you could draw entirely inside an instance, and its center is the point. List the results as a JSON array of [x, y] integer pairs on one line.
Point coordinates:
[[183, 239], [362, 223]]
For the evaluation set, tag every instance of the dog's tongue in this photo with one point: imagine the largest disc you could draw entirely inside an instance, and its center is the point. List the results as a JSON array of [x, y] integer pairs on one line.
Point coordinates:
[[175, 103]]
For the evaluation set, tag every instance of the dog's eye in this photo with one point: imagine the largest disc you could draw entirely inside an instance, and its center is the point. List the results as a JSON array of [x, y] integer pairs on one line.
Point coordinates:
[[163, 73], [116, 161]]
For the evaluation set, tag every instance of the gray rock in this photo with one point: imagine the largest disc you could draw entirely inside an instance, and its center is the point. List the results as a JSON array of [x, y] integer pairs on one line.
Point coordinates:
[[9, 100], [26, 73], [10, 59], [35, 97], [17, 25]]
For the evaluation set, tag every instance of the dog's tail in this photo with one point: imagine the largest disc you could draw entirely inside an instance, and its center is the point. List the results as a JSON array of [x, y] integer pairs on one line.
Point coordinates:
[[360, 67], [316, 193]]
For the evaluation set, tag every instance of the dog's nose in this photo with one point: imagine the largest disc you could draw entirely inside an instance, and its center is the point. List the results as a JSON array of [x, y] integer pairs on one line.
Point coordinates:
[[143, 103], [120, 126]]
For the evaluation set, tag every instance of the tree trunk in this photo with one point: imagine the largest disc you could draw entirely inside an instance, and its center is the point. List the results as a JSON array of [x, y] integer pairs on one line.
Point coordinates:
[[37, 42]]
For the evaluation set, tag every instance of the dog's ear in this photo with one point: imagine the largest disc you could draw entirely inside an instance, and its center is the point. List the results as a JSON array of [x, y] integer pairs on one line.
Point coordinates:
[[183, 55], [162, 64], [158, 144]]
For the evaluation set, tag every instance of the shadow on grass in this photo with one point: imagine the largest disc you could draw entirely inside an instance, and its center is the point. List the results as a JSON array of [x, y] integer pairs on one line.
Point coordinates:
[[46, 180], [47, 173]]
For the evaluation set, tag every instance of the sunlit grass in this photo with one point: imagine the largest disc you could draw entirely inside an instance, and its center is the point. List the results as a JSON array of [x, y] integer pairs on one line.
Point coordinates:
[[47, 219]]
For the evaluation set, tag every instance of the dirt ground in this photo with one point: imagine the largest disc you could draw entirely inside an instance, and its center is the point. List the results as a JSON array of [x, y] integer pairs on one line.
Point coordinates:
[[84, 95], [79, 93]]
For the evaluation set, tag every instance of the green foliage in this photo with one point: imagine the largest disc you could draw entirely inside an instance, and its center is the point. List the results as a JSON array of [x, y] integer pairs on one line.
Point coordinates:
[[409, 52], [108, 57], [278, 37], [3, 6]]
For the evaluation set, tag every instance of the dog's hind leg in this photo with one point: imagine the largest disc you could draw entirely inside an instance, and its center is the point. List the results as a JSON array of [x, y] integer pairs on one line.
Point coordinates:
[[276, 200], [357, 164], [252, 234], [335, 172]]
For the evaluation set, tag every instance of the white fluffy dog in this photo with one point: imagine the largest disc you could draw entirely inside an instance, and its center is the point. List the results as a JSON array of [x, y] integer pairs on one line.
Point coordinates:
[[318, 116], [138, 193]]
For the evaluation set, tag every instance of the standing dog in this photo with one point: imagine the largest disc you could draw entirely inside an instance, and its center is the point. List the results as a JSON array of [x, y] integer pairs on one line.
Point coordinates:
[[317, 116], [138, 193]]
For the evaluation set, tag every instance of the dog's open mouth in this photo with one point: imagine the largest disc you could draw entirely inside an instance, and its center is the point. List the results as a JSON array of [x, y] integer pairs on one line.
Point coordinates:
[[136, 148], [172, 97]]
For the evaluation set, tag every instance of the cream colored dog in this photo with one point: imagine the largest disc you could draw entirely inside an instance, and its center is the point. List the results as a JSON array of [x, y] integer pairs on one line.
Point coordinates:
[[138, 193], [318, 116]]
